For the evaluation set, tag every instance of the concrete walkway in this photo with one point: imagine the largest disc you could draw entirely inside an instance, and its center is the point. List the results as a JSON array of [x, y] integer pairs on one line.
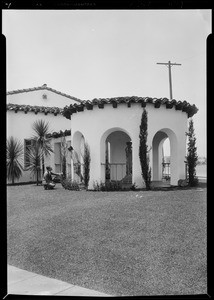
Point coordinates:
[[21, 282]]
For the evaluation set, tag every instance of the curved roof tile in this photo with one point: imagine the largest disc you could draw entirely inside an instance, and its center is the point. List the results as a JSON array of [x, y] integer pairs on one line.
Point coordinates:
[[157, 102], [35, 109]]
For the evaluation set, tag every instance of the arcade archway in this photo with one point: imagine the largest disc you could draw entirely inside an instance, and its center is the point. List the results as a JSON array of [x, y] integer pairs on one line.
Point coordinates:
[[164, 168]]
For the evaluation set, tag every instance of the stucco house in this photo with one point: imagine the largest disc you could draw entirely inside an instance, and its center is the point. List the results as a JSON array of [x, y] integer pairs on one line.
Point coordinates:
[[109, 126], [111, 129], [28, 105]]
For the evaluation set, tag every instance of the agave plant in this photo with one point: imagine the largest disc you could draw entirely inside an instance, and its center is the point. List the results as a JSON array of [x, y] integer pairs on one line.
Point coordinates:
[[34, 155], [14, 156], [41, 129]]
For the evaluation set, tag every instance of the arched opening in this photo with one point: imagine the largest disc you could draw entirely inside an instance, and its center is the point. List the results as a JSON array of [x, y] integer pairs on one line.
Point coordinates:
[[164, 157], [78, 142], [116, 157], [166, 160]]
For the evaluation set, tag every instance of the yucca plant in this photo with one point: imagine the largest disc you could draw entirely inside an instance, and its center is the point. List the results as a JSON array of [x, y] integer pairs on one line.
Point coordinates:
[[41, 130], [14, 156], [34, 155]]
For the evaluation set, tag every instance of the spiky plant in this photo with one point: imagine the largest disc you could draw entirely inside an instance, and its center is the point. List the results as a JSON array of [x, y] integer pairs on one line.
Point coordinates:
[[14, 150], [41, 130], [34, 155]]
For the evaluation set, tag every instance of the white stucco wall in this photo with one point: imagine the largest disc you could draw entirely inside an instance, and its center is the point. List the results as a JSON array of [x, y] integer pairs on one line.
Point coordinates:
[[35, 98], [96, 124], [19, 125]]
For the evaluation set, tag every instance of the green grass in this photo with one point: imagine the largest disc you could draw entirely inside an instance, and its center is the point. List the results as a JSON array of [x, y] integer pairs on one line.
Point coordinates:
[[119, 243]]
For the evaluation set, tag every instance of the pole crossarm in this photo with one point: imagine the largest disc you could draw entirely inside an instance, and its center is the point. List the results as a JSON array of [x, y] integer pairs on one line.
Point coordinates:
[[169, 65], [172, 64]]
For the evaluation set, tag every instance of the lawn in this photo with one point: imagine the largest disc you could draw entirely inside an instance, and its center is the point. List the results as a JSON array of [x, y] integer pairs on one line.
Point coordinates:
[[119, 243]]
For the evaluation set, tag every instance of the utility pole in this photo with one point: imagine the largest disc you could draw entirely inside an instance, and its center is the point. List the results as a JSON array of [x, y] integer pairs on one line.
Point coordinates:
[[169, 64]]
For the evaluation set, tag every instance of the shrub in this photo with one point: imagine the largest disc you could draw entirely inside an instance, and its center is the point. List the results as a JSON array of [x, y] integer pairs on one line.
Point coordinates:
[[69, 184], [182, 183], [107, 186]]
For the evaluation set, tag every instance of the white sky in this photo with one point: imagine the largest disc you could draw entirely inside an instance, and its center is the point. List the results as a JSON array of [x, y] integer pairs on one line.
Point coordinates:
[[107, 53]]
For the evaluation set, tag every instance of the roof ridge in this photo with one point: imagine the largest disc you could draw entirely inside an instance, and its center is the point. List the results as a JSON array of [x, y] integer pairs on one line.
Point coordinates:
[[43, 87]]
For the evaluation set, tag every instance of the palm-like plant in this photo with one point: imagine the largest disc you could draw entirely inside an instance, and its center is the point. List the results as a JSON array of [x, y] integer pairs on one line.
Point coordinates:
[[14, 155], [41, 129], [34, 155]]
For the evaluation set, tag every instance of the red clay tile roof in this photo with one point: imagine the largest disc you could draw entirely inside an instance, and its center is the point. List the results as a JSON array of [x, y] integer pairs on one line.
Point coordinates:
[[35, 109], [43, 87], [157, 102]]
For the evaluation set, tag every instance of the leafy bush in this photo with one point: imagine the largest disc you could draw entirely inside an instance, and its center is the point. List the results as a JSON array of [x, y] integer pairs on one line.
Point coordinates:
[[69, 184], [107, 186]]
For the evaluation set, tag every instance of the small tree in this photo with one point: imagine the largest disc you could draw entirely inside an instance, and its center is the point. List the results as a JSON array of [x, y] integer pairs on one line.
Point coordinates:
[[34, 155], [87, 160], [14, 150], [143, 151], [191, 157]]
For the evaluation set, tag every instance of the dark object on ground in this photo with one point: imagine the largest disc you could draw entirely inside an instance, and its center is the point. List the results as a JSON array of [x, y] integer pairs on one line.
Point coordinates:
[[48, 186]]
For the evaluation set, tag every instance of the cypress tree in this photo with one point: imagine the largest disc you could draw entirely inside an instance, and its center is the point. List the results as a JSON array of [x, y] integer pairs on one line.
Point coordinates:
[[87, 160], [143, 150], [192, 157]]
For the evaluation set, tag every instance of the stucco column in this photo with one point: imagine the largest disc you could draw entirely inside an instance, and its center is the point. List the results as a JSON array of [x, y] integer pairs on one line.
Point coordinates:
[[95, 166], [174, 167]]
